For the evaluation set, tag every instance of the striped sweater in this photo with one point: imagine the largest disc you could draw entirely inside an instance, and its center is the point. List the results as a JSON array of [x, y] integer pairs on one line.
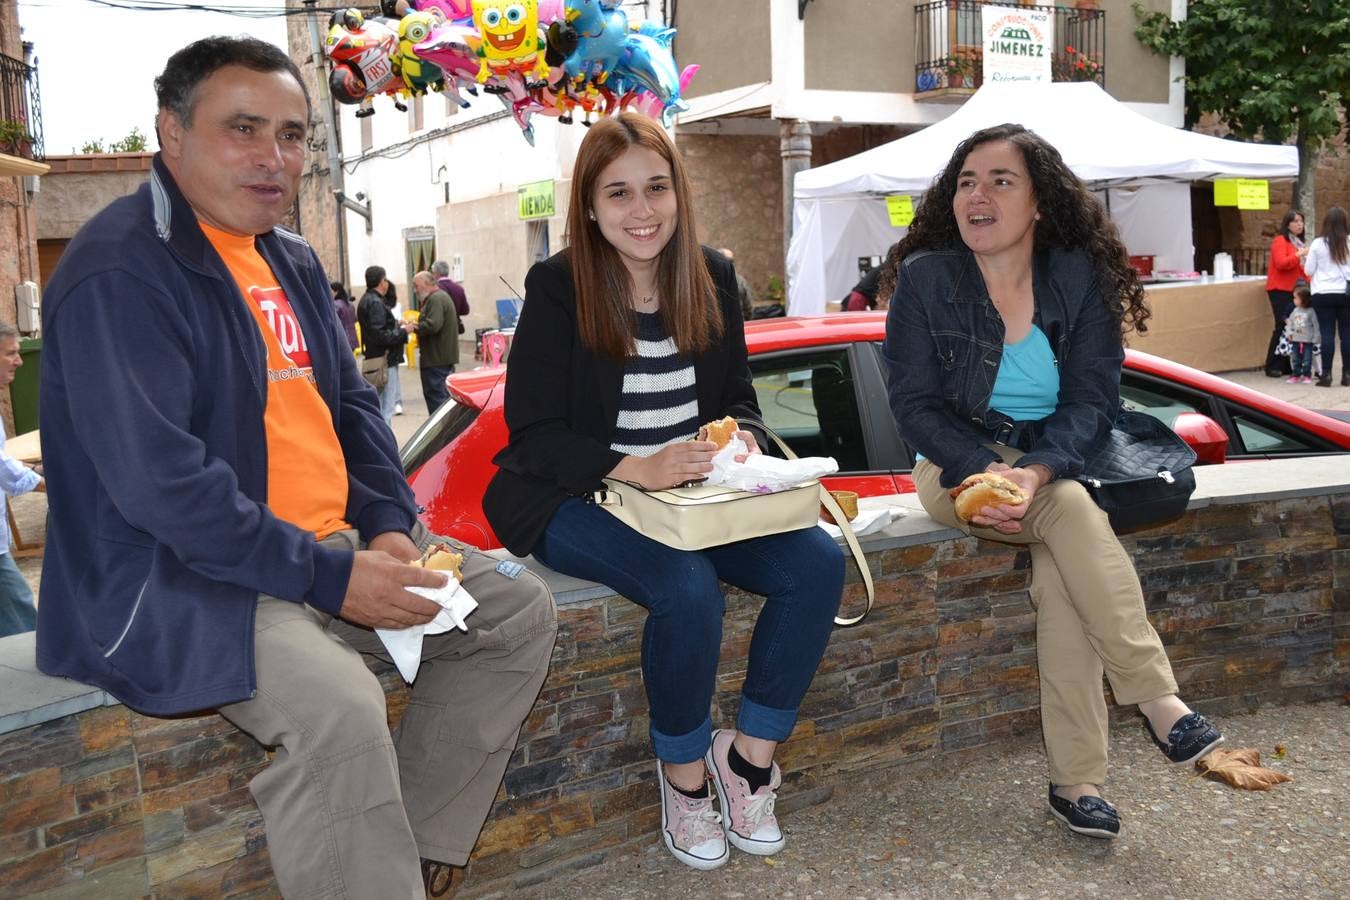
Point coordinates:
[[659, 405]]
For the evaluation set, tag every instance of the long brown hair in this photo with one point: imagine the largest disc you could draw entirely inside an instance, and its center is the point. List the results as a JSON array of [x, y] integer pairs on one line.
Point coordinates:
[[605, 318], [1335, 230], [1071, 218]]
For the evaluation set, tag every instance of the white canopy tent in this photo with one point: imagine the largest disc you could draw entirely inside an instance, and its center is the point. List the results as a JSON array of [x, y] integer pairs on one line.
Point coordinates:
[[839, 211]]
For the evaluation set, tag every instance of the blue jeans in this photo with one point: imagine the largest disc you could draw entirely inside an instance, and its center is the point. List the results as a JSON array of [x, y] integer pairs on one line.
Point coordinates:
[[433, 386], [389, 396], [1302, 357], [800, 574], [17, 613], [1333, 315]]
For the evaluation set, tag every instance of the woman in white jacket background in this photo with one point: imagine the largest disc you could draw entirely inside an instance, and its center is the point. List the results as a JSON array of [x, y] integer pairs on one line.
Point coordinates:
[[1328, 265]]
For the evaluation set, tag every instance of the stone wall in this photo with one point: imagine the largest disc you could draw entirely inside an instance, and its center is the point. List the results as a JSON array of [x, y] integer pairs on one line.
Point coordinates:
[[1252, 600]]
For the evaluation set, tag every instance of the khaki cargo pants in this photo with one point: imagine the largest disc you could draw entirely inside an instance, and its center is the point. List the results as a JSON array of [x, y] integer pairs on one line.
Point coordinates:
[[1090, 617], [348, 807]]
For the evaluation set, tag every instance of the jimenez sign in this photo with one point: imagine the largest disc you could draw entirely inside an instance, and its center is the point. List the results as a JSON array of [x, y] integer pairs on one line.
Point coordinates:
[[1017, 44]]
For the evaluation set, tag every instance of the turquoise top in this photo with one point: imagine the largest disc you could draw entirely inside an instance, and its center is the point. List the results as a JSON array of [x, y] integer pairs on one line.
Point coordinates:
[[1027, 385]]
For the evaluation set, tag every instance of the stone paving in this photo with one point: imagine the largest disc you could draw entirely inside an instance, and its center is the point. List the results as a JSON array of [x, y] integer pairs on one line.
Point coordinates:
[[983, 829]]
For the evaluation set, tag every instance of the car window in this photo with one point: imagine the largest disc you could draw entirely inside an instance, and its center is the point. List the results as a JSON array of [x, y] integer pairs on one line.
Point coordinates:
[[808, 398], [1261, 436], [436, 432], [1162, 401]]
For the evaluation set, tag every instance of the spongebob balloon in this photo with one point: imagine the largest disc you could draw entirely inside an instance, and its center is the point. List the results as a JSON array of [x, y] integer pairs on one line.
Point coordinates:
[[511, 43]]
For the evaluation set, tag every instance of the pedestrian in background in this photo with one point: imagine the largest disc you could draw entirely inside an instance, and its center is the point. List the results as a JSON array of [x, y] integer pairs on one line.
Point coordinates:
[[1287, 251], [743, 291], [864, 293], [437, 339], [1327, 265], [379, 330], [1303, 335], [441, 269], [346, 313], [395, 355], [17, 612]]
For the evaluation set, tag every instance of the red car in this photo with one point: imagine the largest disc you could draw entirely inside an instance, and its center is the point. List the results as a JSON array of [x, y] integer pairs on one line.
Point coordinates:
[[822, 387]]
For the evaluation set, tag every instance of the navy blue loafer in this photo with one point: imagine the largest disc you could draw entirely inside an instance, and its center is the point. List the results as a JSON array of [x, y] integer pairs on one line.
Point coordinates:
[[1191, 737], [1091, 816]]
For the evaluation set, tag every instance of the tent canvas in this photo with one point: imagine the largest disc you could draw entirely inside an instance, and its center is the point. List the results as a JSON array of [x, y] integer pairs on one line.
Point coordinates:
[[839, 213]]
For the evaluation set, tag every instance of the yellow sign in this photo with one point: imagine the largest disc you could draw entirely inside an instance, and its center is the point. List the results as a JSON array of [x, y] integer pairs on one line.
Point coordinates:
[[900, 207], [1253, 193], [1225, 191], [535, 200]]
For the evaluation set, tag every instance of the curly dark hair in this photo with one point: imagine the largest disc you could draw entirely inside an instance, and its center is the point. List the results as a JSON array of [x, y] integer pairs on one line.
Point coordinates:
[[1071, 219]]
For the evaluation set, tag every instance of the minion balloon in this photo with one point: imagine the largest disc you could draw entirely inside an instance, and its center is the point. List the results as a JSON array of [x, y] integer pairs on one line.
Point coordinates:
[[510, 40]]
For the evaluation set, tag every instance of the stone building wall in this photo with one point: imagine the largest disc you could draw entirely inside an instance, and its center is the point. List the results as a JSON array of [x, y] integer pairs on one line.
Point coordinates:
[[1251, 599]]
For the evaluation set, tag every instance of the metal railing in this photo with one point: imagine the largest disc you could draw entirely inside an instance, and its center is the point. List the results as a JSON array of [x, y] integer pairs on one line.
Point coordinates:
[[949, 46], [20, 109]]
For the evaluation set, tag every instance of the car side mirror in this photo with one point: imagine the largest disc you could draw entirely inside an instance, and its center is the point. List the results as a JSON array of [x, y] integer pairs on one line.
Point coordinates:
[[1206, 437]]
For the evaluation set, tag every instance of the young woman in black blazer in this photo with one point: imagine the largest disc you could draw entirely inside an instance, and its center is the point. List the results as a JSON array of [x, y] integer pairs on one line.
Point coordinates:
[[629, 339]]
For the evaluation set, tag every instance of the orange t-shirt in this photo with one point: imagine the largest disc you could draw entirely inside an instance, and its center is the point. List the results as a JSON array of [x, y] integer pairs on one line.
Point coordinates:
[[306, 471]]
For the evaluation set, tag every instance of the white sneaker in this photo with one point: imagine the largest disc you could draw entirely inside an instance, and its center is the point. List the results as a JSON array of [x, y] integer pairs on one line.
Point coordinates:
[[692, 829], [750, 823], [398, 409]]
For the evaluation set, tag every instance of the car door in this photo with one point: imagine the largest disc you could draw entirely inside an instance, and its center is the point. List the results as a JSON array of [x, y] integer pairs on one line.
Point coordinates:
[[821, 402]]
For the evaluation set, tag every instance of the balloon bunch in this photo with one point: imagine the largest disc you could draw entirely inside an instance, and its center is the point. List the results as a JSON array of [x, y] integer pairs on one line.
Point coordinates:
[[539, 57]]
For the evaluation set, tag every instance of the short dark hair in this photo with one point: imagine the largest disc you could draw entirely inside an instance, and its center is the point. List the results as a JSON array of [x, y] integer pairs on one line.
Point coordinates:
[[1301, 289], [176, 86], [374, 275]]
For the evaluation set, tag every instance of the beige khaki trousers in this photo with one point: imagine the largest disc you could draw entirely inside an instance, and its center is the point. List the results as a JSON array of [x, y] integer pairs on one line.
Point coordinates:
[[1090, 617], [350, 808]]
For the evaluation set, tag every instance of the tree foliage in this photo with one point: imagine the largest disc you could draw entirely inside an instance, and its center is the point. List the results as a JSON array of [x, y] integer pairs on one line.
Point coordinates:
[[135, 142], [1271, 69]]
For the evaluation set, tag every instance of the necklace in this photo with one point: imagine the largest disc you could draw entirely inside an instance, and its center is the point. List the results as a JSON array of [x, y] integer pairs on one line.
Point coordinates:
[[646, 300]]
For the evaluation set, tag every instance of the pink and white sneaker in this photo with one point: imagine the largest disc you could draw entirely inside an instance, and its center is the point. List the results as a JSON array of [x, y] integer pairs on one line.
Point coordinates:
[[750, 822], [1292, 379], [691, 828], [1307, 379]]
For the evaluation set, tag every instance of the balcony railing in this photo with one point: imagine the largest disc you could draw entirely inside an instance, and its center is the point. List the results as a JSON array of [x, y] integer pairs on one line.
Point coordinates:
[[20, 109], [949, 45]]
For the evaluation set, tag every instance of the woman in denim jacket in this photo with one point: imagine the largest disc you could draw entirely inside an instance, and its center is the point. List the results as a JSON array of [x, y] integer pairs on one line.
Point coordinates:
[[1005, 342]]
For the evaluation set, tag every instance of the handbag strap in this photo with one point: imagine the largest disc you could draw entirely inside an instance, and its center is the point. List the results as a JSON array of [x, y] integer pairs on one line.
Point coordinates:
[[859, 558], [842, 521]]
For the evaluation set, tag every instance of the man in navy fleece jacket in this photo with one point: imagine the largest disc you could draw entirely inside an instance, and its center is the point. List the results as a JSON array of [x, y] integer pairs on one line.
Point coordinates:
[[232, 519]]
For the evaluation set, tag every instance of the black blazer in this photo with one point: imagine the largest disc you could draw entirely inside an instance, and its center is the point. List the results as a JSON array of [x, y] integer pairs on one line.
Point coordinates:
[[562, 400]]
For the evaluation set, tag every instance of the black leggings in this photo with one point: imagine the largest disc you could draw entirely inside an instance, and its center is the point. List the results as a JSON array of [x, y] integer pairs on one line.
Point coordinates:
[[1281, 305]]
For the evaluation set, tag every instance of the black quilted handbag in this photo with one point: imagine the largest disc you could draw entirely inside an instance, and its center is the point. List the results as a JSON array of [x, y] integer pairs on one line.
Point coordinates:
[[1141, 474]]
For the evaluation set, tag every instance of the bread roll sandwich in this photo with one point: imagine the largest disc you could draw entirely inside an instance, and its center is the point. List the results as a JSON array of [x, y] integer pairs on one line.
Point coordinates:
[[440, 558], [719, 432], [984, 489]]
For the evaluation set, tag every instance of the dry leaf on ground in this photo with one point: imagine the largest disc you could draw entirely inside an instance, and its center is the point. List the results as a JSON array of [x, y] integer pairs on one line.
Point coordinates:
[[1241, 768]]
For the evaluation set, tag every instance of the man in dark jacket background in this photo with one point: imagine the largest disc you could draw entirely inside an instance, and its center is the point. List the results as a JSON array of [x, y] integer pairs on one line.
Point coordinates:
[[437, 339], [229, 520], [380, 331]]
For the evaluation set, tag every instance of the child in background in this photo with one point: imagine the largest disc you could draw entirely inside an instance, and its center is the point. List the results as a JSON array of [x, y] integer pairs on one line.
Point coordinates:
[[1303, 335]]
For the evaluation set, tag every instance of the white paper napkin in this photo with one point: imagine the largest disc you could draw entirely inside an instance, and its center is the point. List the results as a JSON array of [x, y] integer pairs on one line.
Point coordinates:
[[763, 474], [405, 644], [865, 522]]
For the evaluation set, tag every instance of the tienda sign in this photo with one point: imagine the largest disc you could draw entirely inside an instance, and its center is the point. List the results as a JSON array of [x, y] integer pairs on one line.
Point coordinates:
[[1017, 44]]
